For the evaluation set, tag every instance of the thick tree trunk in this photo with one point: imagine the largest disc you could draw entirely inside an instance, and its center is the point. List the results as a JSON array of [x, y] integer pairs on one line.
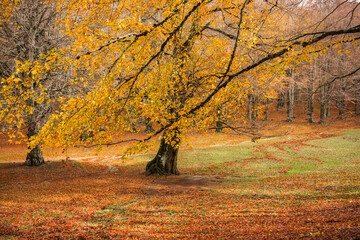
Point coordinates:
[[35, 156], [165, 161]]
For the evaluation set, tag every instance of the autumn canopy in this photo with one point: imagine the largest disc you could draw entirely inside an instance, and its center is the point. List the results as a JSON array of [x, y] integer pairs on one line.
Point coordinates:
[[107, 67]]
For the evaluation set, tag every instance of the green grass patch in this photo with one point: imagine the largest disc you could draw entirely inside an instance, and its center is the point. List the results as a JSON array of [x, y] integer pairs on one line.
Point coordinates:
[[326, 168]]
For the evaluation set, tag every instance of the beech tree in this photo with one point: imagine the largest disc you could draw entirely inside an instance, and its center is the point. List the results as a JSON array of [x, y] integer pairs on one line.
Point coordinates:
[[29, 80], [173, 63]]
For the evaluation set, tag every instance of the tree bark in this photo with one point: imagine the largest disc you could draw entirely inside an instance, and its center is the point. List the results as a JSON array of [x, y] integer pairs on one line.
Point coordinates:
[[249, 107], [266, 112], [322, 104], [311, 109], [322, 112], [35, 156], [341, 107], [328, 109], [311, 95], [219, 123], [165, 161], [254, 113], [311, 104], [290, 102]]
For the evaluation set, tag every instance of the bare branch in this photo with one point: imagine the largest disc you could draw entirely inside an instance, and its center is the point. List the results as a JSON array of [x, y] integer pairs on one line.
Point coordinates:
[[337, 78]]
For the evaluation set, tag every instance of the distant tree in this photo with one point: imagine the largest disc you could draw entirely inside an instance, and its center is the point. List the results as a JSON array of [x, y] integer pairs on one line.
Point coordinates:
[[27, 36]]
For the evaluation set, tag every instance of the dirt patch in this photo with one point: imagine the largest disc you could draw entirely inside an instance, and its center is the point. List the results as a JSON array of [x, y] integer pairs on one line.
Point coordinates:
[[186, 182], [51, 171]]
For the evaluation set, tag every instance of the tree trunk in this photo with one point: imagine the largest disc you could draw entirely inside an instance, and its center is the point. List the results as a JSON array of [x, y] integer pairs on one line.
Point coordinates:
[[278, 105], [219, 123], [322, 104], [311, 109], [328, 109], [219, 127], [322, 112], [341, 107], [266, 112], [357, 107], [249, 107], [254, 113], [290, 102], [311, 95], [35, 156], [165, 161], [311, 104]]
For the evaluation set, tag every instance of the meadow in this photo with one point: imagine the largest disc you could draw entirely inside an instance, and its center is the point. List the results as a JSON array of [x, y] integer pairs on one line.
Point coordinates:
[[304, 185]]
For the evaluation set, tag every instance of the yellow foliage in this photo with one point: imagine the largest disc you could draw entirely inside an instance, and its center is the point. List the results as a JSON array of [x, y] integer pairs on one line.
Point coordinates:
[[173, 62]]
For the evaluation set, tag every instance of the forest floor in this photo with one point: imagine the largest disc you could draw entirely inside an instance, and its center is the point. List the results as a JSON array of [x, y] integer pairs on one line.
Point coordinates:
[[302, 185]]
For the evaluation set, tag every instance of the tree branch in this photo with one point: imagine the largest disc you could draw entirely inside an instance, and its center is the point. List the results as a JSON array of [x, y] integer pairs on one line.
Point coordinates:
[[337, 78], [233, 37]]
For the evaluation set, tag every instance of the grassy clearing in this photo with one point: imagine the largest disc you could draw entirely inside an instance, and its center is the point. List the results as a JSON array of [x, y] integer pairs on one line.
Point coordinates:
[[305, 186], [325, 168]]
